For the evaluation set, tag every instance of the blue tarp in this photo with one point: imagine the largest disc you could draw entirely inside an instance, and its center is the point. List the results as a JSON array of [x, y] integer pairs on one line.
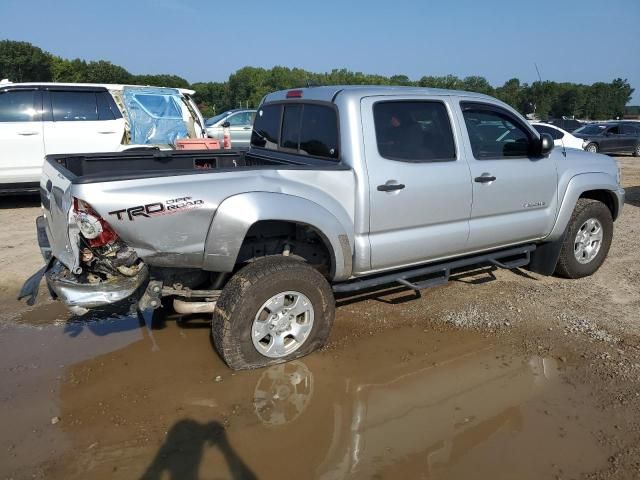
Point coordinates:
[[155, 115]]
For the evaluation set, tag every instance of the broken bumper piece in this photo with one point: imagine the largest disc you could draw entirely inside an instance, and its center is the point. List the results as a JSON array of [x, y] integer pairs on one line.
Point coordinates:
[[81, 297]]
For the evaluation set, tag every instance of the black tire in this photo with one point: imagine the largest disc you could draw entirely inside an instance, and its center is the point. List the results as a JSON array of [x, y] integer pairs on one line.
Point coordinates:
[[592, 147], [636, 151], [586, 208], [248, 290]]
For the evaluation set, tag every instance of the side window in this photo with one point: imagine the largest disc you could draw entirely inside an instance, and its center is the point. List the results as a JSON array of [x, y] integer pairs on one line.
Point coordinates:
[[614, 130], [18, 106], [630, 130], [266, 128], [557, 134], [107, 109], [414, 131], [237, 119], [494, 133], [74, 106]]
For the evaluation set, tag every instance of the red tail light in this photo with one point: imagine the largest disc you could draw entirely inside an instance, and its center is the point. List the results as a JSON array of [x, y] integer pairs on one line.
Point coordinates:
[[93, 227]]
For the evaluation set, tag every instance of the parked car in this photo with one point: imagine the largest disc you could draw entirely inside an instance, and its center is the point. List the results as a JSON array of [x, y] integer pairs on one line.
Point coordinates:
[[38, 119], [561, 138], [240, 122], [567, 124], [343, 189], [611, 137]]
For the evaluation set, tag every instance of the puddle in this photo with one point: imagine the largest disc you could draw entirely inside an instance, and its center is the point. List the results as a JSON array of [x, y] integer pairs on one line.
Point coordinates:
[[135, 403]]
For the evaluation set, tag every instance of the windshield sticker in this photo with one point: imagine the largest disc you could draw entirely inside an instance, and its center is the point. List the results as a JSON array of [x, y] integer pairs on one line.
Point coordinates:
[[168, 207]]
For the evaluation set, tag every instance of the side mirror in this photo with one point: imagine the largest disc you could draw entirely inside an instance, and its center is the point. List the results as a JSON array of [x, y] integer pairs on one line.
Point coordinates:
[[226, 124], [545, 145]]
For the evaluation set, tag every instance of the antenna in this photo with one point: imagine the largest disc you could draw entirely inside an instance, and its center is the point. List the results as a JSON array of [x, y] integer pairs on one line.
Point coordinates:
[[539, 77]]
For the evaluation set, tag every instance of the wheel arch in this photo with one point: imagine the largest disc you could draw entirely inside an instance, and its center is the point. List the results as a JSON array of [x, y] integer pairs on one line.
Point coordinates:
[[237, 214], [597, 186]]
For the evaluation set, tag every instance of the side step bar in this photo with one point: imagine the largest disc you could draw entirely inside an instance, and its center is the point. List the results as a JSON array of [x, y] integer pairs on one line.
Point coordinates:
[[512, 258]]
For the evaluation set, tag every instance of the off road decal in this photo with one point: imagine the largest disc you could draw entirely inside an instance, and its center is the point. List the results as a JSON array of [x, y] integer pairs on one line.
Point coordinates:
[[168, 207]]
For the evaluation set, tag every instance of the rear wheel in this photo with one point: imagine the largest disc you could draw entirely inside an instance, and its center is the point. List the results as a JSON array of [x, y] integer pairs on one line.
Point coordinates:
[[587, 241], [271, 311], [592, 147], [636, 152]]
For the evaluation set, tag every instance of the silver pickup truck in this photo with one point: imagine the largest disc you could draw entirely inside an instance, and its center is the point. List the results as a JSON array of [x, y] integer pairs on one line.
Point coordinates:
[[343, 189]]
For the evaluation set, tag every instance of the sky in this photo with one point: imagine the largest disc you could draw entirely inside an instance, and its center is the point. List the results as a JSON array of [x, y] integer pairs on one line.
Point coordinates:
[[582, 41]]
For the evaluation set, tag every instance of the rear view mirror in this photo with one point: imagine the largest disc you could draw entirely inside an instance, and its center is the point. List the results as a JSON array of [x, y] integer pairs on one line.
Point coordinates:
[[545, 145]]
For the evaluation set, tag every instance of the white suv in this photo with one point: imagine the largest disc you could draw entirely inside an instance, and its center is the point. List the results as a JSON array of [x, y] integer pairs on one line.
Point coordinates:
[[38, 119]]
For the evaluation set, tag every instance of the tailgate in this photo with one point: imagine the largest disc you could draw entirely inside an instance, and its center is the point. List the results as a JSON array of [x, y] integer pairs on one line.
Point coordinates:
[[62, 231]]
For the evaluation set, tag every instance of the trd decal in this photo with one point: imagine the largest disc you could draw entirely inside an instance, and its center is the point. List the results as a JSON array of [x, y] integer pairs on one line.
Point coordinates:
[[168, 207]]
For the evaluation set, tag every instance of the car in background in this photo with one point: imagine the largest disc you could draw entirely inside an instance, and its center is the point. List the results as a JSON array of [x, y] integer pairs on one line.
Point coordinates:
[[39, 119], [611, 137], [561, 138], [240, 123]]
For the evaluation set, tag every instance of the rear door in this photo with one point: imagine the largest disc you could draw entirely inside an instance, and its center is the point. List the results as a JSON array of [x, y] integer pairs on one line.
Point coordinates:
[[240, 128], [630, 138], [21, 139], [612, 139], [419, 184], [80, 120], [514, 192]]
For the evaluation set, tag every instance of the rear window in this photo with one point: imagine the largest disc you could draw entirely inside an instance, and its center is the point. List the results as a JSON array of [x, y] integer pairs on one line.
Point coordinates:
[[302, 128], [266, 128], [554, 132]]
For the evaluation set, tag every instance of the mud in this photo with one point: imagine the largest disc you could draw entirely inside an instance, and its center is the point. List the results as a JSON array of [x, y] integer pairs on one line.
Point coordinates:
[[496, 375], [138, 403]]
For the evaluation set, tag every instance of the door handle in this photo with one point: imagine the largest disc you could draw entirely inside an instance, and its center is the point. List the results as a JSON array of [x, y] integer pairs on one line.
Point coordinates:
[[28, 133], [390, 187], [247, 128], [484, 178], [107, 132]]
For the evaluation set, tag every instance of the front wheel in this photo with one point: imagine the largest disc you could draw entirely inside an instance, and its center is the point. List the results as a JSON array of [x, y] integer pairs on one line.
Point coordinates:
[[271, 311], [587, 241], [592, 147]]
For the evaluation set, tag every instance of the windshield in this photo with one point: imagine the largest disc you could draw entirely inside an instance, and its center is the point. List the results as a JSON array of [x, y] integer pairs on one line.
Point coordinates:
[[215, 119], [591, 129]]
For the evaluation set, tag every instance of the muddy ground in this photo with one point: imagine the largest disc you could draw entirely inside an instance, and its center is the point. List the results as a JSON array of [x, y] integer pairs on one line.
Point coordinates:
[[498, 375]]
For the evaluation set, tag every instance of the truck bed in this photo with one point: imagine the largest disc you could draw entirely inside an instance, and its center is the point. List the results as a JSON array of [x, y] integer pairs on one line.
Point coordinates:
[[134, 164]]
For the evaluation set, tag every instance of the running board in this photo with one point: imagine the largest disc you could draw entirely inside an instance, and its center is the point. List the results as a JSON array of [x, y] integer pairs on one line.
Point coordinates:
[[441, 272]]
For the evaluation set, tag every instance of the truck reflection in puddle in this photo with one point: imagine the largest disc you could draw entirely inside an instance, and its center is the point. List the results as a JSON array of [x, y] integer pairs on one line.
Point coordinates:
[[406, 403]]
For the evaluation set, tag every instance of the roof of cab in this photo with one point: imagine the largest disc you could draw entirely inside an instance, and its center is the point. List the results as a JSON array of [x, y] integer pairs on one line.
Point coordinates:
[[329, 93], [108, 86]]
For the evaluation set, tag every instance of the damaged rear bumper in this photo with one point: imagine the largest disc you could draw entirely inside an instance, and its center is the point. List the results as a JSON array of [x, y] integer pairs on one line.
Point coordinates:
[[81, 297]]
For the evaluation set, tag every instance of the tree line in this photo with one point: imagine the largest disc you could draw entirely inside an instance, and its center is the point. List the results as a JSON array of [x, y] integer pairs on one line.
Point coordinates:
[[22, 62]]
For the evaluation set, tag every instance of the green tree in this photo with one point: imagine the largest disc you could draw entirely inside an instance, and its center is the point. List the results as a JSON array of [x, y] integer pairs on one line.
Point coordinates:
[[72, 71], [23, 62], [106, 72], [160, 80]]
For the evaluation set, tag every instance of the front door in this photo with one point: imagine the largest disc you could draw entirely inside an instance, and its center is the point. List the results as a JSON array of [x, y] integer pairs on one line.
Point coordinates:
[[21, 143], [240, 125], [514, 191], [419, 184]]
